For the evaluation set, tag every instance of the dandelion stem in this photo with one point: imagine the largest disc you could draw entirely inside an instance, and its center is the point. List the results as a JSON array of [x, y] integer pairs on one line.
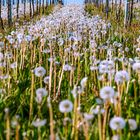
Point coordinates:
[[74, 118], [50, 77], [59, 86], [17, 132], [100, 126], [104, 122], [66, 127], [31, 97], [135, 92], [54, 90], [39, 133], [51, 122], [7, 127]]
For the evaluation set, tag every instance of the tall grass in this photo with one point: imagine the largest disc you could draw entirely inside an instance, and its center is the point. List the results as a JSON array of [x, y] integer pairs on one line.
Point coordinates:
[[69, 76]]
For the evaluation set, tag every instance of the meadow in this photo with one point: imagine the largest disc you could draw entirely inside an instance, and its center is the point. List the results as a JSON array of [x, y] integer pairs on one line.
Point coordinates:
[[70, 75]]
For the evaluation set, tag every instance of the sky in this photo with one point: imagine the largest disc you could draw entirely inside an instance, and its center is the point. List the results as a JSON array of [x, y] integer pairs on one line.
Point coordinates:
[[65, 1], [74, 1]]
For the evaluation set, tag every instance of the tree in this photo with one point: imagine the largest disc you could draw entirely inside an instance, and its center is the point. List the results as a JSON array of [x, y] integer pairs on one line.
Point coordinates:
[[126, 13], [107, 8], [9, 13], [46, 3], [3, 2], [53, 2], [13, 2], [33, 6], [131, 12], [50, 2], [1, 21], [24, 9], [43, 6], [17, 9], [30, 8], [37, 6]]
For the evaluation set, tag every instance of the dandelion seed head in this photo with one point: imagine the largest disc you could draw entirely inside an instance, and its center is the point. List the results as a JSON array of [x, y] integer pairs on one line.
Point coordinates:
[[66, 121], [115, 137], [88, 116], [74, 91], [1, 44], [28, 38], [6, 110], [40, 71], [121, 76], [136, 67], [4, 77], [103, 69], [3, 64], [13, 65], [67, 67], [83, 82], [60, 41], [137, 50], [138, 39], [127, 49], [39, 123], [132, 124], [107, 92], [117, 123], [65, 106], [46, 51], [46, 80], [1, 56], [97, 110], [41, 91], [24, 134], [93, 68]]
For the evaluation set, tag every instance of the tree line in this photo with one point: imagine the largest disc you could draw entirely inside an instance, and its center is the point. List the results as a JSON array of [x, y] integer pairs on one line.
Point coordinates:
[[35, 7], [117, 6]]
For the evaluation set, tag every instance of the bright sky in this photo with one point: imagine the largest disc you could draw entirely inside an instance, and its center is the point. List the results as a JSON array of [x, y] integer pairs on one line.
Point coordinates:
[[74, 1]]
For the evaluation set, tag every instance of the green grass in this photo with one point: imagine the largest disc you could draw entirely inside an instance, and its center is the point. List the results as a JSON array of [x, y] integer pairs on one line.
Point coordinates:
[[22, 84]]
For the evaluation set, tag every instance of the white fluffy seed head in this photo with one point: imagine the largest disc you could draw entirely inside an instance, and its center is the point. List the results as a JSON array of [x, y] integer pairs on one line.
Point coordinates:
[[65, 106], [115, 137], [117, 123], [67, 67], [39, 123], [40, 71], [136, 67], [40, 93], [88, 116], [13, 65], [1, 56], [121, 76], [97, 110], [6, 110], [107, 92], [132, 124], [74, 91], [83, 82], [46, 80]]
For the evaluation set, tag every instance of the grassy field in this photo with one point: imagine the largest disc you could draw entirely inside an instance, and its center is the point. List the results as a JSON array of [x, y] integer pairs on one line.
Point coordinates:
[[70, 75]]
